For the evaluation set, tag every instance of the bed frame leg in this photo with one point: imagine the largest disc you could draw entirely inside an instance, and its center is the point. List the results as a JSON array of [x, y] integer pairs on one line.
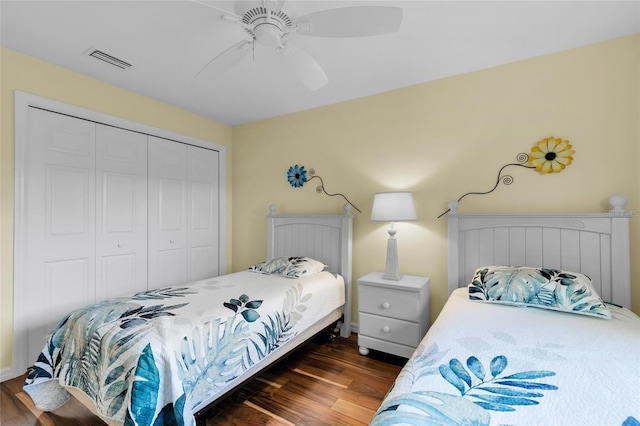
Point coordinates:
[[334, 331]]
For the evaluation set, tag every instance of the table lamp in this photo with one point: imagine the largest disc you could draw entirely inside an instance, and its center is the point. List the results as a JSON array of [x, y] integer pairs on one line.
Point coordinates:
[[393, 207]]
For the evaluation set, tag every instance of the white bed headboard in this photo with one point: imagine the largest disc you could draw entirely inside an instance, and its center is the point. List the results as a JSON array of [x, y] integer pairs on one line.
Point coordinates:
[[596, 245], [327, 238]]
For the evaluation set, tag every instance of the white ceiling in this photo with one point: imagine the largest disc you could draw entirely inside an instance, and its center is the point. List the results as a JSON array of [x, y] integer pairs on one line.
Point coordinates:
[[168, 42]]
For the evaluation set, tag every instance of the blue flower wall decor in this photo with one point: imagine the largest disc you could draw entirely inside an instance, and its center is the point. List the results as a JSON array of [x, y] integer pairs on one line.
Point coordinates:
[[297, 177]]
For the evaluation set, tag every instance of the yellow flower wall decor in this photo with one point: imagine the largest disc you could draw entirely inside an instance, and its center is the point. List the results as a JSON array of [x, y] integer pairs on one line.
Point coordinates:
[[551, 155]]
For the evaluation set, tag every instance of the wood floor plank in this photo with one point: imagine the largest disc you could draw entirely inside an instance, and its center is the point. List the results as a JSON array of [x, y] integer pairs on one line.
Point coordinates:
[[274, 375], [327, 372], [371, 383], [311, 411], [323, 383], [359, 398], [346, 351], [13, 412], [318, 391], [322, 379], [281, 406], [347, 366], [242, 415], [354, 411], [276, 418]]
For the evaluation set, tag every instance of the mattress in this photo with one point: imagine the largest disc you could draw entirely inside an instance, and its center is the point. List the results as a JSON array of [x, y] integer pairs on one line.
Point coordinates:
[[159, 356], [487, 364]]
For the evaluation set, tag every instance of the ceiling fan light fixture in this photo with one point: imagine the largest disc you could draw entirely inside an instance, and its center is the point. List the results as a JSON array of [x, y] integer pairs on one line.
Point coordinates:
[[267, 34]]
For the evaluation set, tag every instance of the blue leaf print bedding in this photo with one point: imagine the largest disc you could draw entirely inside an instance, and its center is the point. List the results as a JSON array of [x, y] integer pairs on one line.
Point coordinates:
[[483, 364], [544, 288], [158, 356]]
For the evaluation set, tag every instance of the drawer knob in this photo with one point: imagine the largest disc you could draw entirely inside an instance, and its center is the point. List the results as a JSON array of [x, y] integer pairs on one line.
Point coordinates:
[[386, 305], [386, 329]]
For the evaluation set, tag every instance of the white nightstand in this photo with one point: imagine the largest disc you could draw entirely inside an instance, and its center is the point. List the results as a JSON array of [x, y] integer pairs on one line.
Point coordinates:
[[393, 316]]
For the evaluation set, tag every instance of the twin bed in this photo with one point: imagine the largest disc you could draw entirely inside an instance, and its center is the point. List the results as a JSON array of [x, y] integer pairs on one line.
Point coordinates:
[[528, 345], [164, 356], [568, 359]]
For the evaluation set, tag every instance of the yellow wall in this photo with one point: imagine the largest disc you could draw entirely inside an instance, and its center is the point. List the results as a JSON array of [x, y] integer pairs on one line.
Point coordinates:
[[442, 139], [26, 74]]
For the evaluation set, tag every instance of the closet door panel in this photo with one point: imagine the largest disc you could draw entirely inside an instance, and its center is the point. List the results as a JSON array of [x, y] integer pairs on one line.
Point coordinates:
[[121, 212], [203, 213], [60, 221], [168, 162]]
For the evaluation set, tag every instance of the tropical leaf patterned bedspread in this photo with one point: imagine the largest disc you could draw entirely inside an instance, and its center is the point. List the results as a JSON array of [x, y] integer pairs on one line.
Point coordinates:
[[153, 358], [484, 364]]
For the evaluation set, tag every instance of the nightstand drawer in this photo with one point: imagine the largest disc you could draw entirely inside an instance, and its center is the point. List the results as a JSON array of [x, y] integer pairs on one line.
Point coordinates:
[[390, 329], [389, 303]]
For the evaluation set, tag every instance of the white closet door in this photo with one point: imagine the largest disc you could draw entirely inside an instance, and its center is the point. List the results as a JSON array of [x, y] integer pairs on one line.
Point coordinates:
[[204, 206], [60, 221], [121, 212], [167, 213]]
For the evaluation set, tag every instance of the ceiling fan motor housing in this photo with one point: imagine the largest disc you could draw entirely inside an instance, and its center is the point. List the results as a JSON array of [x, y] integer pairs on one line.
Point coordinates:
[[268, 26]]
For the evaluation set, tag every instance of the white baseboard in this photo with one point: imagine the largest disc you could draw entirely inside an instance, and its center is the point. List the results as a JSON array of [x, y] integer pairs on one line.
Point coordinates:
[[9, 373]]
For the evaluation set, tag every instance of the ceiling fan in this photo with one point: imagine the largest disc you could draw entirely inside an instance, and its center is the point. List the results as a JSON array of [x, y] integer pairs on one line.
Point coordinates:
[[270, 27]]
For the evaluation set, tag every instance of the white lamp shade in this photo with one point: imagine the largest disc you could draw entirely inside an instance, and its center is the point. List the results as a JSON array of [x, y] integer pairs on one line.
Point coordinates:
[[393, 207]]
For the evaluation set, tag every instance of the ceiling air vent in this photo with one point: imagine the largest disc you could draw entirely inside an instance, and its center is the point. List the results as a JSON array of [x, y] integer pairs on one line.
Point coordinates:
[[109, 59]]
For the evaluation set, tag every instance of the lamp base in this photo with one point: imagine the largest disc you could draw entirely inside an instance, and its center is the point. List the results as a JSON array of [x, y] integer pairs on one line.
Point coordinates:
[[392, 271], [395, 277]]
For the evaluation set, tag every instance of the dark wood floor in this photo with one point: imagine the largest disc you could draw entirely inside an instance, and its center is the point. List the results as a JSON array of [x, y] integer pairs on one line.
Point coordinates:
[[323, 383]]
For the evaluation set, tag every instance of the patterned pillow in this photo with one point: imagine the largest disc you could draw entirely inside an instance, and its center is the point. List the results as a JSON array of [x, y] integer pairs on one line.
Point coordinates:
[[538, 287], [289, 266], [303, 267], [271, 267]]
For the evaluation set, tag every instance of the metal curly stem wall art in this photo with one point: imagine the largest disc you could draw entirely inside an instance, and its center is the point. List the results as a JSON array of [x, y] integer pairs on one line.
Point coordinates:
[[549, 155], [297, 177]]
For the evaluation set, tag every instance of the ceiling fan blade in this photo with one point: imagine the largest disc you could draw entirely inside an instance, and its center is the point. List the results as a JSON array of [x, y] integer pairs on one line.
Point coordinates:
[[225, 60], [356, 21], [303, 66]]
